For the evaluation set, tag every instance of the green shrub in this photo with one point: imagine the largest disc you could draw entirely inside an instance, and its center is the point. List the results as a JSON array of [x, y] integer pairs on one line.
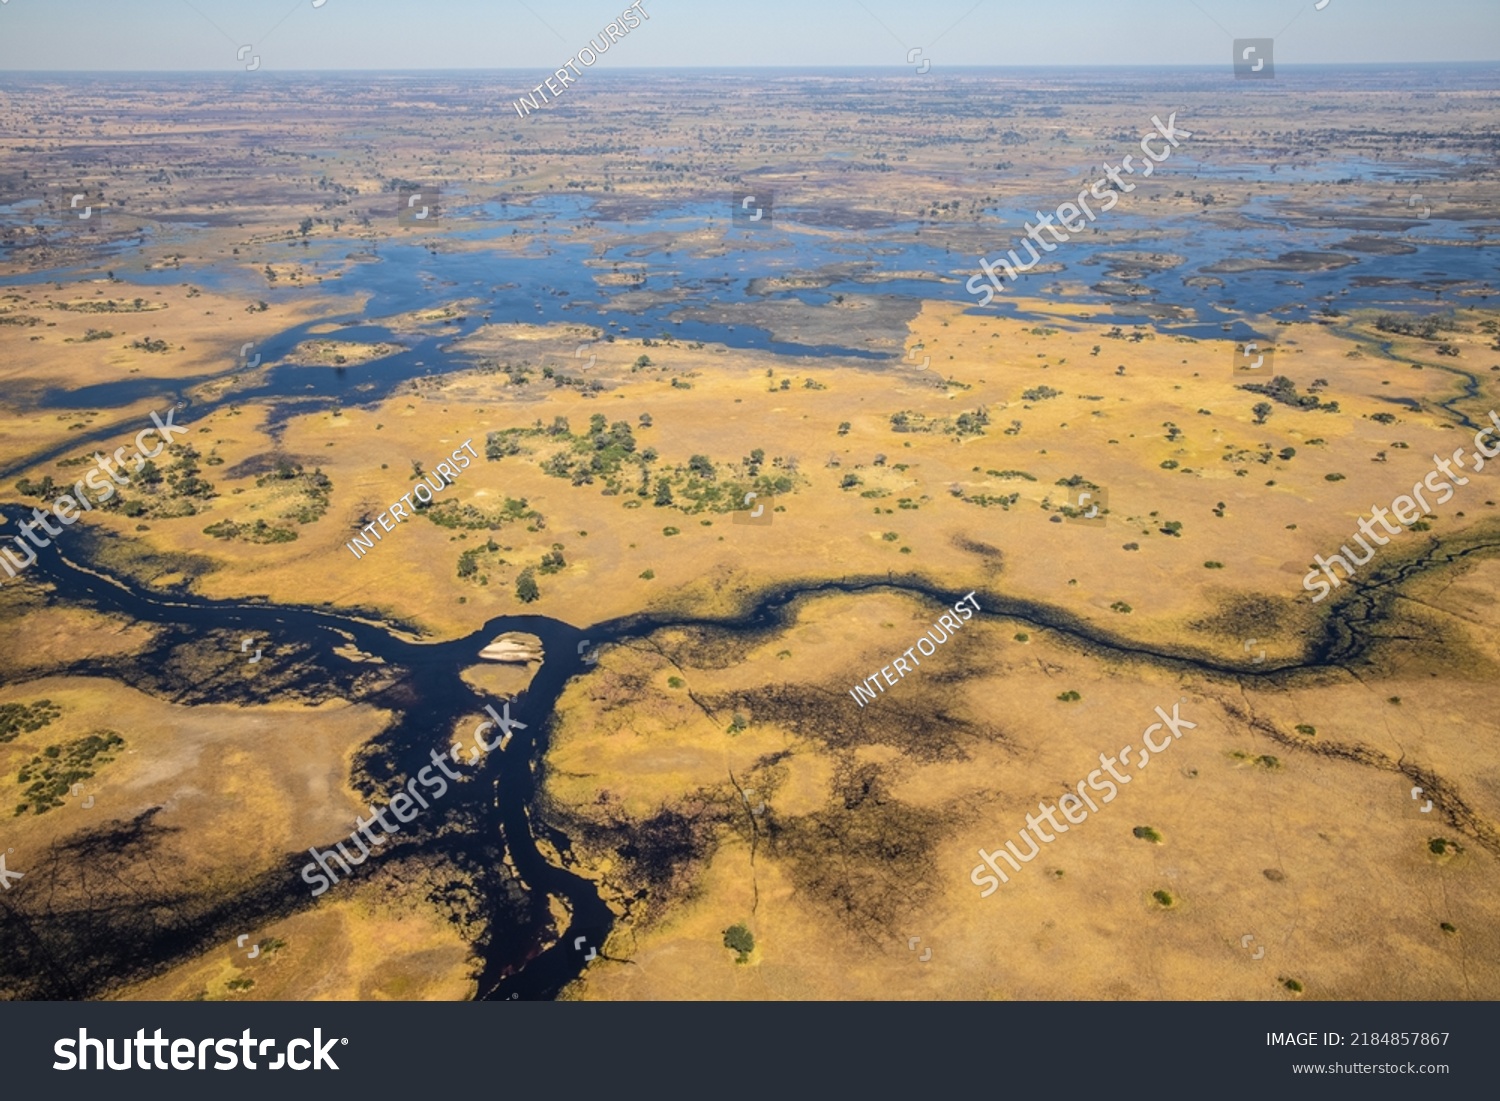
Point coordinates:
[[739, 939], [19, 718], [53, 773]]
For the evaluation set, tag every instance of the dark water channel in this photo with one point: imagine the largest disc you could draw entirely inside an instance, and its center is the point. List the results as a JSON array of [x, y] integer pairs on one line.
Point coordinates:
[[480, 823]]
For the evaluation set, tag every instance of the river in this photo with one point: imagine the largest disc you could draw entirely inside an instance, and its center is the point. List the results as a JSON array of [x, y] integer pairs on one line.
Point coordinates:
[[521, 954]]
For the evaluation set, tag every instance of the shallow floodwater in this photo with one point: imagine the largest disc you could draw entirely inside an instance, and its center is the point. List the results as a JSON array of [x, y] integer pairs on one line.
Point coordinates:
[[552, 280]]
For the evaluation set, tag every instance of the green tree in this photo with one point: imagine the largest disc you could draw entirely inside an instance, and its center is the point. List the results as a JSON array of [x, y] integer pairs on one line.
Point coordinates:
[[620, 436], [663, 493], [526, 590], [741, 940]]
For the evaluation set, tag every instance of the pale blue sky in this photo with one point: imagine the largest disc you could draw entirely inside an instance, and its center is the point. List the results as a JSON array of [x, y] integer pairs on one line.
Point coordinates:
[[508, 34]]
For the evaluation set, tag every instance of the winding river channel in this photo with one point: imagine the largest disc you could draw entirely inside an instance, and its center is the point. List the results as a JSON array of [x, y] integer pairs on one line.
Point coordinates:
[[497, 817]]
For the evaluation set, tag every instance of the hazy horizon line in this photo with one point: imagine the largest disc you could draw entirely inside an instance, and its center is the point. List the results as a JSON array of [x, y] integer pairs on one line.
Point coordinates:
[[892, 69]]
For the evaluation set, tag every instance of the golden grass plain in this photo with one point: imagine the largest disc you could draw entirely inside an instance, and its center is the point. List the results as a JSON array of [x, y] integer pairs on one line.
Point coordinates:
[[872, 816]]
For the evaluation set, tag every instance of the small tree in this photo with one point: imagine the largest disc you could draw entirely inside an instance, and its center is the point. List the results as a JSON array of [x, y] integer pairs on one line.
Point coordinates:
[[620, 436], [526, 590], [663, 493], [1262, 410], [738, 938]]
